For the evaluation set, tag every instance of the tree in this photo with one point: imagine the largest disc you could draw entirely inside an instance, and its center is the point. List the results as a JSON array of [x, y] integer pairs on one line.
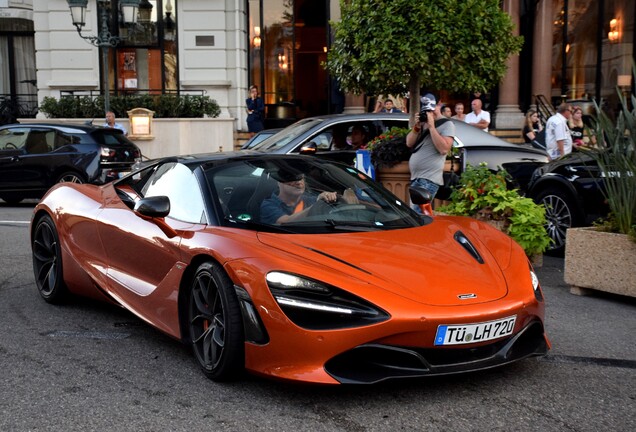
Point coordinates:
[[387, 46]]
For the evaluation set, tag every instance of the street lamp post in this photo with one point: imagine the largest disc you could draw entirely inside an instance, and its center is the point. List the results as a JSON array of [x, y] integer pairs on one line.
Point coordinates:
[[104, 40]]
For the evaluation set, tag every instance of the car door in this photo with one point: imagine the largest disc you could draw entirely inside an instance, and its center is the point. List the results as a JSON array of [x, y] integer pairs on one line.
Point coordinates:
[[16, 168], [29, 166], [143, 260]]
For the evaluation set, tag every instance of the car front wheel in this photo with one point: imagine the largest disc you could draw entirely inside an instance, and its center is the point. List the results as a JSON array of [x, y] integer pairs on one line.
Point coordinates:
[[560, 214], [70, 177], [215, 323]]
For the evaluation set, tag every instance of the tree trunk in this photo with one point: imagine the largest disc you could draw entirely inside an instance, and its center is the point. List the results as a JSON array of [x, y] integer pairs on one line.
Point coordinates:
[[414, 98]]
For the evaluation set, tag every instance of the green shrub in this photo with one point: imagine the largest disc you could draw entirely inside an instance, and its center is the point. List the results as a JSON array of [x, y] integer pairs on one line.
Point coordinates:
[[164, 106], [482, 194]]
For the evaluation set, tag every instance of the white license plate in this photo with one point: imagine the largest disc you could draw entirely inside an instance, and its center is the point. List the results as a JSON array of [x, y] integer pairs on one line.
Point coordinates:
[[473, 333]]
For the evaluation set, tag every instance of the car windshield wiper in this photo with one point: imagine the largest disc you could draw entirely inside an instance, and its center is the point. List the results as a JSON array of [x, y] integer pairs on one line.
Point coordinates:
[[259, 226], [355, 225]]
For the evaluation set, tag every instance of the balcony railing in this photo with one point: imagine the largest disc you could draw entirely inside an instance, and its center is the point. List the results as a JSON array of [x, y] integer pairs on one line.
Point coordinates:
[[18, 106]]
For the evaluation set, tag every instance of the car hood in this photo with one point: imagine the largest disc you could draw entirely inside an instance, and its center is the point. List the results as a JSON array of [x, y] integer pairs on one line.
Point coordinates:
[[424, 264]]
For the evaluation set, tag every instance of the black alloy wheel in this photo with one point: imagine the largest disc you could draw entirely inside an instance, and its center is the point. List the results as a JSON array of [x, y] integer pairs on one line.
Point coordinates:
[[215, 323], [47, 261], [560, 214]]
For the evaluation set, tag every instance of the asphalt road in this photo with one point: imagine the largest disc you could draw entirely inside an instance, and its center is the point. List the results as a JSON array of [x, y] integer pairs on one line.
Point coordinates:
[[86, 366]]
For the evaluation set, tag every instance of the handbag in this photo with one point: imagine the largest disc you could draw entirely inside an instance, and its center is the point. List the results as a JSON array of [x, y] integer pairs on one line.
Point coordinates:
[[451, 180]]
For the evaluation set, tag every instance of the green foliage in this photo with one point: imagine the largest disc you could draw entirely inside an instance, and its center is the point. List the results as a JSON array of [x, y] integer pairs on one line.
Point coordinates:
[[483, 195], [164, 106], [615, 155], [383, 46], [389, 148]]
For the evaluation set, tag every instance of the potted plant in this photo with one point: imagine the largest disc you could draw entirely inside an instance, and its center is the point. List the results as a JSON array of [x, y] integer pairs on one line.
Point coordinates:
[[601, 257], [389, 156], [389, 148], [483, 195]]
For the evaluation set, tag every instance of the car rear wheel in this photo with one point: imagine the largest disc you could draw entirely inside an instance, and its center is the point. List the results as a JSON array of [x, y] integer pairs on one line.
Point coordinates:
[[47, 261], [215, 323], [560, 214], [70, 177]]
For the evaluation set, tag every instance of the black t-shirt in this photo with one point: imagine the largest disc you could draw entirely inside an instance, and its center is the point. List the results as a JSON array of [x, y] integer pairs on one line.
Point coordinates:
[[577, 133], [527, 130]]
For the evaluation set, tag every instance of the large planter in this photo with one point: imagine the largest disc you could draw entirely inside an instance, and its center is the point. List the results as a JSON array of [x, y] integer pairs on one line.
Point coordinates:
[[396, 179], [600, 261]]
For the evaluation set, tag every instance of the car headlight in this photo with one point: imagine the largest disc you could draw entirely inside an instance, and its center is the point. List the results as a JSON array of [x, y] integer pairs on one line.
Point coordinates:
[[315, 305], [535, 285]]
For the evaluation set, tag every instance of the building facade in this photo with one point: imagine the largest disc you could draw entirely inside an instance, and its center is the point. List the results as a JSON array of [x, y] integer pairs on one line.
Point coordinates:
[[573, 50]]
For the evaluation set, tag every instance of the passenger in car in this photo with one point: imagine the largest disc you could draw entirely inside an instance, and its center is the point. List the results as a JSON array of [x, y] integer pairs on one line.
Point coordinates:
[[359, 137], [339, 139]]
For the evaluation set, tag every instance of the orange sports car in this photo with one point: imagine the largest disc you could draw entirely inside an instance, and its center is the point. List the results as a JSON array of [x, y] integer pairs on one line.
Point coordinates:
[[291, 267]]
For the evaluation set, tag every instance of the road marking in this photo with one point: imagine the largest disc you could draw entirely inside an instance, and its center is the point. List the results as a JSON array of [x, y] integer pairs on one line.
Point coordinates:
[[9, 222], [87, 334], [599, 361]]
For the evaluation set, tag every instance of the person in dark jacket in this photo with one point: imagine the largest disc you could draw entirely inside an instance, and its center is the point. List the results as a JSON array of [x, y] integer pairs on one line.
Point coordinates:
[[255, 112]]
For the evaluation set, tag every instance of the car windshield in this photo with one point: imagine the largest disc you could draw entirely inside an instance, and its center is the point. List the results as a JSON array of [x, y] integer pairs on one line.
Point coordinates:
[[304, 195], [280, 139]]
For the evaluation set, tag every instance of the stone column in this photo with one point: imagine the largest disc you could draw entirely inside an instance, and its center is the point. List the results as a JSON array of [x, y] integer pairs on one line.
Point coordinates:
[[354, 104], [542, 50], [508, 114]]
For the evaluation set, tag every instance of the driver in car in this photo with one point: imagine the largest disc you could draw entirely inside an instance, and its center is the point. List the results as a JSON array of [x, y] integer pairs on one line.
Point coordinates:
[[292, 201]]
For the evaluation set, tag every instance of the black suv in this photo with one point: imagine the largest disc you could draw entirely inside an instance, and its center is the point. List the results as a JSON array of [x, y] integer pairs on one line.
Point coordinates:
[[34, 157], [571, 188]]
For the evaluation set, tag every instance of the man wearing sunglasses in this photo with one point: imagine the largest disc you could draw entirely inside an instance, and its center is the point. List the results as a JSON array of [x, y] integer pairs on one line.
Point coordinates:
[[557, 134]]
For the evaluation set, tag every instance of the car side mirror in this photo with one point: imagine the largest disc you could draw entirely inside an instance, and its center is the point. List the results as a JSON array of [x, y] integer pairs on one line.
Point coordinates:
[[153, 207], [309, 148], [420, 196]]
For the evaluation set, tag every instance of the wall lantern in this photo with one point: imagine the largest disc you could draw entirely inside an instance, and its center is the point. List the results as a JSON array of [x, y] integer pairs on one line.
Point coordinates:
[[169, 24], [613, 34], [140, 124], [256, 41]]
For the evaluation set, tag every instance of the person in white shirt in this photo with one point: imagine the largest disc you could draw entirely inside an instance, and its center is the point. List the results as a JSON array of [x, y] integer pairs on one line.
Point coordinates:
[[478, 117], [558, 140], [110, 122]]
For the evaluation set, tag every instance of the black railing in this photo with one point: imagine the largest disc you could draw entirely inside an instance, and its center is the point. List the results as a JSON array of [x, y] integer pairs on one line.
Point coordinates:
[[18, 106], [130, 92], [544, 108]]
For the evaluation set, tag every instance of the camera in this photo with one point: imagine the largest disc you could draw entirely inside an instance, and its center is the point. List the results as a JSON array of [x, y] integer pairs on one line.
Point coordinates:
[[426, 105]]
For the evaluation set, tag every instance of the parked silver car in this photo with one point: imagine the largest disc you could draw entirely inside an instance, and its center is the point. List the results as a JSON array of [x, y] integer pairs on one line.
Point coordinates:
[[317, 136]]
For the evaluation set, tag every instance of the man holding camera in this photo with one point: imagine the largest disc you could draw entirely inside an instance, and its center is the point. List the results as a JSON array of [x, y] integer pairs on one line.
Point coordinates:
[[430, 140]]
